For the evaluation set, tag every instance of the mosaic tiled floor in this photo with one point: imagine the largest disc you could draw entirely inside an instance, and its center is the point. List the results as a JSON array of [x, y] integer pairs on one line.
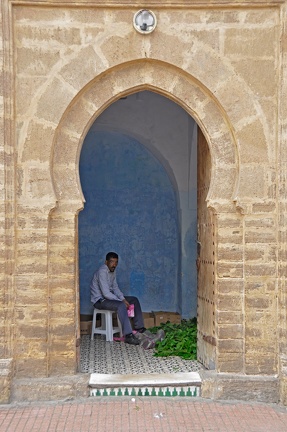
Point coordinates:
[[99, 356]]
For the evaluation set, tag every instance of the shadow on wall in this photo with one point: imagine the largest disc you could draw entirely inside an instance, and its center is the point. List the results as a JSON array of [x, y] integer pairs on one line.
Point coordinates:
[[131, 209]]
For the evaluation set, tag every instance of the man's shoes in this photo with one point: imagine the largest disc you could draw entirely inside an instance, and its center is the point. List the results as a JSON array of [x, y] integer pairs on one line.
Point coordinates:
[[131, 339]]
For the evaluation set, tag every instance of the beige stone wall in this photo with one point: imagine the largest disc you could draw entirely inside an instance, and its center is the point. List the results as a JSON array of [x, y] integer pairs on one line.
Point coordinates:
[[2, 197], [7, 207], [282, 222], [223, 65]]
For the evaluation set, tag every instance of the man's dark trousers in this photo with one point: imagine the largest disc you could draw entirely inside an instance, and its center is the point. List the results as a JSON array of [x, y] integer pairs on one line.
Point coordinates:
[[120, 307]]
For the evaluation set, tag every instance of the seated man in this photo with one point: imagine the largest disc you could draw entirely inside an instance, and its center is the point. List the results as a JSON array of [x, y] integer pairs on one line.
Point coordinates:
[[105, 294]]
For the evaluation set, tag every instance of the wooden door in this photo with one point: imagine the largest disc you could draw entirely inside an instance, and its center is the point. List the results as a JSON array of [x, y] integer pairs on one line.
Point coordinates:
[[205, 260]]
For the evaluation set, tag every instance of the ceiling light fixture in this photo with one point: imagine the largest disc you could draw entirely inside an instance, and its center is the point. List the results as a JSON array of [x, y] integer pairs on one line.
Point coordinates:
[[144, 21]]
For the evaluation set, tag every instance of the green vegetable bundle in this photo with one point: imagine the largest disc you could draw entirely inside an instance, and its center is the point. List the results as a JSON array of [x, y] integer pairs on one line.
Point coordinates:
[[180, 340]]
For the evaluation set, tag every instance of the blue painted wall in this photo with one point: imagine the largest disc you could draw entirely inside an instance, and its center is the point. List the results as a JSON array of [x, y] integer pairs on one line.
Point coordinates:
[[131, 209]]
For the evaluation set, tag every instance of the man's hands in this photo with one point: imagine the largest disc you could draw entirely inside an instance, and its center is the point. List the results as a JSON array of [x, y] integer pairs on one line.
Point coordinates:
[[126, 303]]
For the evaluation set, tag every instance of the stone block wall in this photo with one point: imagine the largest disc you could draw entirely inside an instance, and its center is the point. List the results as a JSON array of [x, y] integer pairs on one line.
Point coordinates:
[[2, 197], [282, 222], [63, 66]]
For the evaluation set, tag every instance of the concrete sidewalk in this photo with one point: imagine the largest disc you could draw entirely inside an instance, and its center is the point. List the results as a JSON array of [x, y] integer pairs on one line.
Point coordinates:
[[148, 414]]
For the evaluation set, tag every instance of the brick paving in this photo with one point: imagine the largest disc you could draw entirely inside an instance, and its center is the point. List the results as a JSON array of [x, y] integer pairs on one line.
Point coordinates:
[[142, 415]]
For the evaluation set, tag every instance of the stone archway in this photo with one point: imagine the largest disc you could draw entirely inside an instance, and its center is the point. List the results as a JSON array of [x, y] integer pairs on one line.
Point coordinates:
[[58, 79], [129, 78], [126, 79]]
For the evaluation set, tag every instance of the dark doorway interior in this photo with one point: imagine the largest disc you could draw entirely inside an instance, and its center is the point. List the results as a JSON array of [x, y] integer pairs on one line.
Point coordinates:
[[138, 171]]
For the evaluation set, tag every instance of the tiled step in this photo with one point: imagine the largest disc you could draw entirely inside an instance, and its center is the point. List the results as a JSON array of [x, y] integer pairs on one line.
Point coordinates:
[[173, 384]]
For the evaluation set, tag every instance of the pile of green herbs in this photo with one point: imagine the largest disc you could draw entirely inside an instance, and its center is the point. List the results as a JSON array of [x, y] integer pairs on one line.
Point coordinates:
[[180, 340]]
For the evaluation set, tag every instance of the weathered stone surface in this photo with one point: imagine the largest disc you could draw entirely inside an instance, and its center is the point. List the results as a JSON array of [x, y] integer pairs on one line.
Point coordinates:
[[228, 317], [223, 66], [30, 366], [230, 302], [230, 269], [226, 386], [48, 389], [230, 331], [266, 365], [230, 362], [230, 253], [230, 345], [5, 380]]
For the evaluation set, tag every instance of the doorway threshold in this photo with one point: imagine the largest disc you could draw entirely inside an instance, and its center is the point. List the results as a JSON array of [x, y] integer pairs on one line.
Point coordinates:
[[166, 384], [119, 369]]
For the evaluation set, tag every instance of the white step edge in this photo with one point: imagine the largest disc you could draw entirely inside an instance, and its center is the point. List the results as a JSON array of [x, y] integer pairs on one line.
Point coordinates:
[[157, 379]]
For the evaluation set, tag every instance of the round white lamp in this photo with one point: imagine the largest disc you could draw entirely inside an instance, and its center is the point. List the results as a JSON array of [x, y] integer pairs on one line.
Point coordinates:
[[144, 21]]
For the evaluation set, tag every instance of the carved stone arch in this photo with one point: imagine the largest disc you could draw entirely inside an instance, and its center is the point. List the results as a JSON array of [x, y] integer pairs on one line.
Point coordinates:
[[129, 78], [123, 80]]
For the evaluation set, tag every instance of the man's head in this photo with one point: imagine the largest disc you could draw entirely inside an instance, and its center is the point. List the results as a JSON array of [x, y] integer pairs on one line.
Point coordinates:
[[112, 261]]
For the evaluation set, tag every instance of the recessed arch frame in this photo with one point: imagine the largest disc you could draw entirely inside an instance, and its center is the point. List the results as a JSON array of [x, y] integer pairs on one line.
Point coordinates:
[[88, 104], [129, 78]]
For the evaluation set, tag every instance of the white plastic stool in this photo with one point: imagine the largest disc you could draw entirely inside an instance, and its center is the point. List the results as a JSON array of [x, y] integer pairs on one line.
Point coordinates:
[[106, 327]]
